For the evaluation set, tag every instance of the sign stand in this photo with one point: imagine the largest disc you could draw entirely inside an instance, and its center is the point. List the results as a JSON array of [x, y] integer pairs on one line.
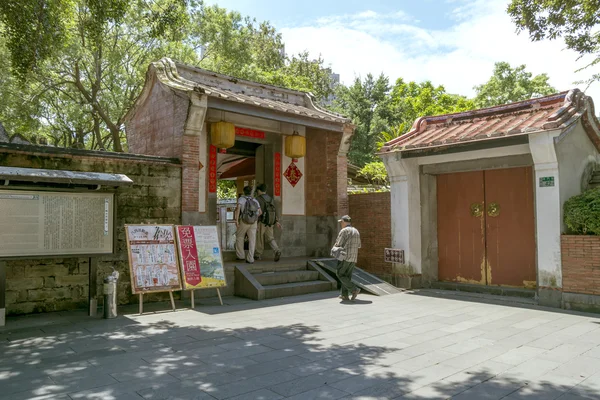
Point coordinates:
[[219, 294], [172, 301], [193, 302]]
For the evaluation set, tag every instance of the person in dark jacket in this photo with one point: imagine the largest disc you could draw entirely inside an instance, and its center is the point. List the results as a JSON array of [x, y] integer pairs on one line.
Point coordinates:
[[267, 220]]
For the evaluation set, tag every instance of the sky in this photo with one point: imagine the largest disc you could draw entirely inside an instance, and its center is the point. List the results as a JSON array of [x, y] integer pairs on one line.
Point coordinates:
[[454, 43]]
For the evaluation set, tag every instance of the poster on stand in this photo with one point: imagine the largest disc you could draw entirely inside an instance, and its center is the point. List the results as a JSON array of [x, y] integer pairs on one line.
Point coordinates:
[[200, 257], [152, 258]]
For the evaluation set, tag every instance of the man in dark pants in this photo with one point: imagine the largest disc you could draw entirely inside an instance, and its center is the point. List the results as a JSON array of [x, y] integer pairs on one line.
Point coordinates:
[[345, 251]]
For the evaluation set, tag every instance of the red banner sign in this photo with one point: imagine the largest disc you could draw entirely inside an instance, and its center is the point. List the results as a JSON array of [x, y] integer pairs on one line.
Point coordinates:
[[251, 133], [190, 266], [212, 170], [277, 177]]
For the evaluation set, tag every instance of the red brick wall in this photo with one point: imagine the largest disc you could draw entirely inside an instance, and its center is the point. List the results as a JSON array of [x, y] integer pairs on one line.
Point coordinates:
[[316, 172], [581, 264], [190, 196], [157, 127], [371, 215], [323, 169]]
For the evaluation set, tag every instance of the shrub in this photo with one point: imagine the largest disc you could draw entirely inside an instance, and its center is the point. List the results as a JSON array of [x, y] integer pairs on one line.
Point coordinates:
[[582, 213]]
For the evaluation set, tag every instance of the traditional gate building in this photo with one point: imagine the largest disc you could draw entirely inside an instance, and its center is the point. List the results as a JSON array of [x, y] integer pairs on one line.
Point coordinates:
[[181, 108], [477, 197]]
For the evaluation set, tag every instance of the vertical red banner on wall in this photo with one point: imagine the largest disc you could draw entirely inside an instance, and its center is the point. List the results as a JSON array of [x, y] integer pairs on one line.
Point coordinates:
[[277, 173], [212, 170]]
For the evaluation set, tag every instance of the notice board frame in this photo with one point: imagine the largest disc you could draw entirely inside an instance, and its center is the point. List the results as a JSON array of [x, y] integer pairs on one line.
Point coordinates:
[[112, 192]]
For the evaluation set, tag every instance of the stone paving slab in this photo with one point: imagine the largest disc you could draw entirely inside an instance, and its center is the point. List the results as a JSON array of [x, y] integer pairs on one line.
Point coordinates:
[[418, 345]]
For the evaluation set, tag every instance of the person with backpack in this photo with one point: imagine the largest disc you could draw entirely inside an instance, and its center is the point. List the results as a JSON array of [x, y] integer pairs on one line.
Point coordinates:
[[267, 220], [246, 217]]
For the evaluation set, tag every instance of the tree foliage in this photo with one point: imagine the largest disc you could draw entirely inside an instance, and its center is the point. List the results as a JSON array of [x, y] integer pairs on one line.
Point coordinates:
[[75, 76], [582, 213], [508, 85], [576, 21]]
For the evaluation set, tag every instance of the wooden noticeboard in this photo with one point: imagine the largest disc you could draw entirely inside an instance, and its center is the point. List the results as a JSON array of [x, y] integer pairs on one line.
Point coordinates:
[[39, 223], [200, 257], [152, 258]]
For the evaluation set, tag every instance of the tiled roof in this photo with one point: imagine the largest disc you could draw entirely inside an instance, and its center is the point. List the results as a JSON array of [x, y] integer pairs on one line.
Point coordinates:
[[558, 111], [188, 78]]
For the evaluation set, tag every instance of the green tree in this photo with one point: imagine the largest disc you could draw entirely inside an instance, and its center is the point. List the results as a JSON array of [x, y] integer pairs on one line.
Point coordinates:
[[509, 84], [300, 72], [407, 102], [574, 20], [367, 103], [412, 100], [77, 87]]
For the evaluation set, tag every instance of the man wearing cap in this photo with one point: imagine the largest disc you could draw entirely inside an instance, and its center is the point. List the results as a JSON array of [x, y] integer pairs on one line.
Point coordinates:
[[345, 251]]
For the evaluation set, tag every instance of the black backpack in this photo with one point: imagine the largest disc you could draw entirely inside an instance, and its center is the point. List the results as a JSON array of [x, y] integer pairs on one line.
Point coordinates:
[[269, 215], [250, 211]]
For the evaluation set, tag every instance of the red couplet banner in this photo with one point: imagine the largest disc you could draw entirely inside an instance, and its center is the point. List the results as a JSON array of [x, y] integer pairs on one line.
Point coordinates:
[[277, 173], [190, 266], [212, 169]]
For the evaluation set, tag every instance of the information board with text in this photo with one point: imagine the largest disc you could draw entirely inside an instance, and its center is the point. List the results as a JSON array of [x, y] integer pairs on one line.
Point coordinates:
[[37, 223]]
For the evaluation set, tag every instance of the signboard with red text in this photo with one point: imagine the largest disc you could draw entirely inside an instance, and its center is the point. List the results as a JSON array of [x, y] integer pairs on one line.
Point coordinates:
[[200, 257]]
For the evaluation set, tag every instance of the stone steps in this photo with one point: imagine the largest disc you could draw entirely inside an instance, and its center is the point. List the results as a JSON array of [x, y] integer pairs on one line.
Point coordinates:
[[296, 289], [279, 278], [261, 281]]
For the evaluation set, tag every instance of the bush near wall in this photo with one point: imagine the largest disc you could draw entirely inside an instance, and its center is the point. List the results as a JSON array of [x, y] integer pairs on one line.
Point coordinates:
[[371, 215], [580, 248]]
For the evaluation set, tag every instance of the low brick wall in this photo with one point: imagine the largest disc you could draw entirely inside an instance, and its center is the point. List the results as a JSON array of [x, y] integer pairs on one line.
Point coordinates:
[[56, 284], [581, 264], [371, 215]]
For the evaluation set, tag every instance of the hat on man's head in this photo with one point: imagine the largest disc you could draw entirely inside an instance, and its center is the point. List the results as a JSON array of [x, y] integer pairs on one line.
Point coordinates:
[[345, 218]]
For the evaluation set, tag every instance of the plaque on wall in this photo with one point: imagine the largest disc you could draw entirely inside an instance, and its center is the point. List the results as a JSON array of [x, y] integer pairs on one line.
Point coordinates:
[[394, 256], [37, 223], [152, 258]]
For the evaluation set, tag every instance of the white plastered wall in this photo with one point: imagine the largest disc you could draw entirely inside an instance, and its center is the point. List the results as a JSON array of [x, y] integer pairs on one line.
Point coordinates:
[[293, 201], [575, 152], [547, 209]]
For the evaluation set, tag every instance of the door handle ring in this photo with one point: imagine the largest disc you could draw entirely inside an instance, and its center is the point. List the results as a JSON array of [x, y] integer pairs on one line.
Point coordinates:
[[477, 209], [493, 209]]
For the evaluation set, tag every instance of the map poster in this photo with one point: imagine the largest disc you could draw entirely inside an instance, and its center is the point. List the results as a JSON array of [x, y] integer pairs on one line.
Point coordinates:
[[200, 244], [152, 258]]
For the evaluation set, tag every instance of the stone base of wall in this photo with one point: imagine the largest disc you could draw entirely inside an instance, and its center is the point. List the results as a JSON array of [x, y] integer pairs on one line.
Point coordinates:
[[581, 302]]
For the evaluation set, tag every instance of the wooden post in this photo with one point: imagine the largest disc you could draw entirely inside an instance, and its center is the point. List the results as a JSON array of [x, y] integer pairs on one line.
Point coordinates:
[[219, 293], [193, 304], [141, 303], [172, 301], [93, 287], [2, 293]]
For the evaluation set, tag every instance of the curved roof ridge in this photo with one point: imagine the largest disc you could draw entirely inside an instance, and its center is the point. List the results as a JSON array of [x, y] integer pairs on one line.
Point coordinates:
[[562, 109]]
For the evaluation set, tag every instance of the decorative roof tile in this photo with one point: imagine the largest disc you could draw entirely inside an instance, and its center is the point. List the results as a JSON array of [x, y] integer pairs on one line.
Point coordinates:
[[184, 77], [554, 112]]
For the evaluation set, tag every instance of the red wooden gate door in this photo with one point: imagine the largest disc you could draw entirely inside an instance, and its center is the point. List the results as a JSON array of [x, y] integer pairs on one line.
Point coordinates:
[[486, 227], [510, 227], [461, 238]]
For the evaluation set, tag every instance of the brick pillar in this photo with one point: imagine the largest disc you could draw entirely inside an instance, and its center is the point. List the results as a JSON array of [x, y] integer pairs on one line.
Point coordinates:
[[190, 173], [191, 190], [342, 170]]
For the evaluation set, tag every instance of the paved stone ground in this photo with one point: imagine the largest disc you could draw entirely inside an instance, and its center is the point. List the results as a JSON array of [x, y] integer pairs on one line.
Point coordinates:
[[408, 346]]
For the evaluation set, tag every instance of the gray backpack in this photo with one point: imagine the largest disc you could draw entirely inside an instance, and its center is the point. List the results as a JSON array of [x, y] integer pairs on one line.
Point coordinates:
[[250, 211]]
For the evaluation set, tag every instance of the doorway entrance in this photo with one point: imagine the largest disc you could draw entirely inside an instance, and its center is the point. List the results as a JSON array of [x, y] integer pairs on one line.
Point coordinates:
[[486, 227]]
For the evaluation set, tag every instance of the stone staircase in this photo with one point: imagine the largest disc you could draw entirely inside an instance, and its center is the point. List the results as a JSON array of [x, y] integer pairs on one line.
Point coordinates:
[[262, 281]]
